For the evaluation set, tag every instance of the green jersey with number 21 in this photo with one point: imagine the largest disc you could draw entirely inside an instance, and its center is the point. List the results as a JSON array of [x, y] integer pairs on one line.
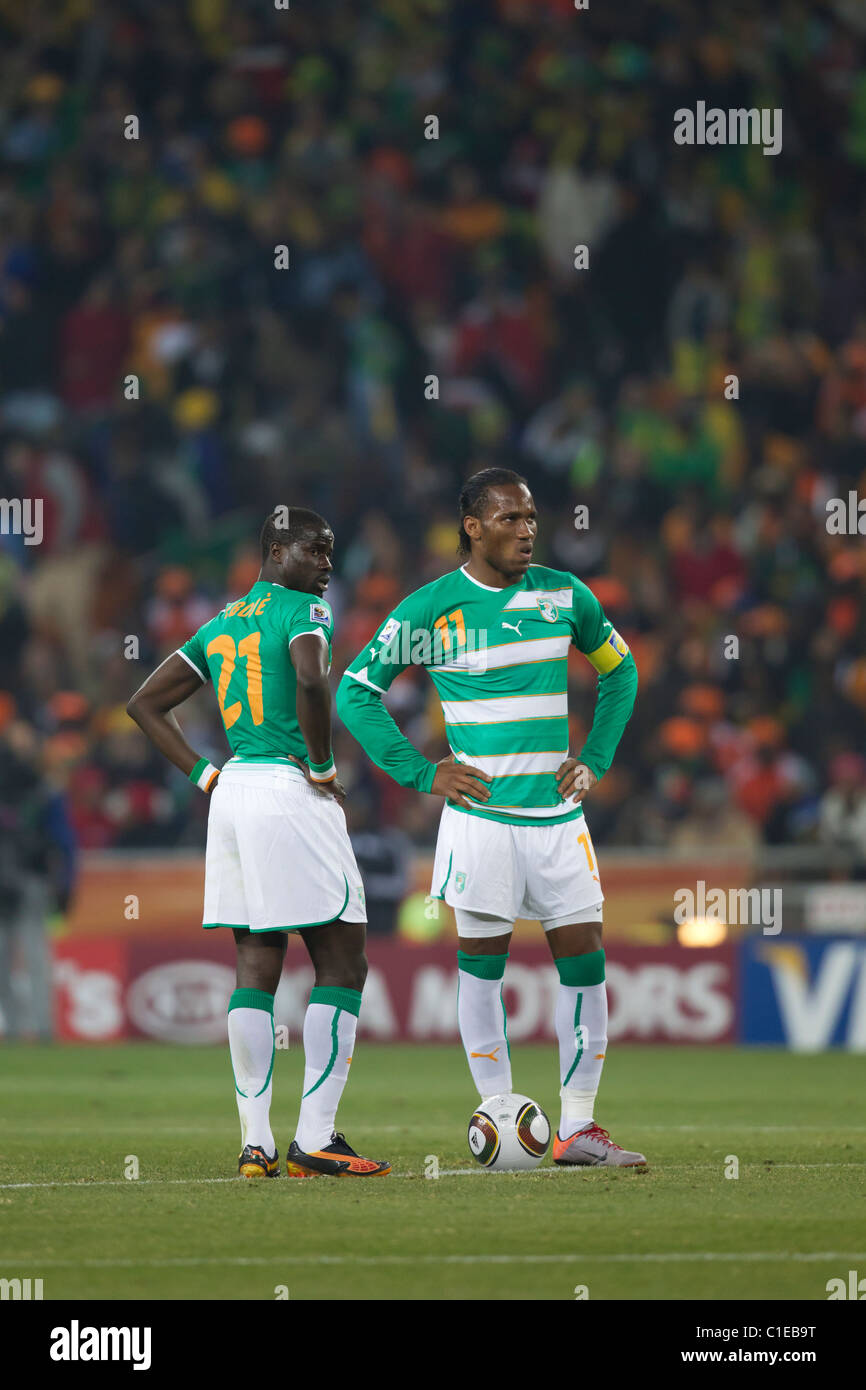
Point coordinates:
[[244, 650]]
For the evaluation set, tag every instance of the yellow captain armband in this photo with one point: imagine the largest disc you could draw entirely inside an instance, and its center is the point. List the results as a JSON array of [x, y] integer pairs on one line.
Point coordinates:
[[609, 655]]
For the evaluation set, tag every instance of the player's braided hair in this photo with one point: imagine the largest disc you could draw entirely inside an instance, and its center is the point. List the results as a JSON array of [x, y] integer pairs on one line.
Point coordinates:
[[289, 524], [473, 498]]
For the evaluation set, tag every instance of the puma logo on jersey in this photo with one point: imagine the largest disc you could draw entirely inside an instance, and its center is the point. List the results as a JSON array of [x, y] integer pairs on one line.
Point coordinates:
[[513, 627]]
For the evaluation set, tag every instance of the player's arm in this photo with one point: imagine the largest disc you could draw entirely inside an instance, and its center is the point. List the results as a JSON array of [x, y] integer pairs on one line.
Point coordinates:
[[310, 656], [361, 708], [151, 707], [605, 650]]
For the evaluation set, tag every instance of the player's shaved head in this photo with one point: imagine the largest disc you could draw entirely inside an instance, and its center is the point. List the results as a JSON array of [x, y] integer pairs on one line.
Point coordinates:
[[297, 546], [285, 525], [474, 498]]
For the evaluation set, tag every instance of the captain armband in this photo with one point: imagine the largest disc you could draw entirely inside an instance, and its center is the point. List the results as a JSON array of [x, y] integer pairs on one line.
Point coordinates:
[[609, 655]]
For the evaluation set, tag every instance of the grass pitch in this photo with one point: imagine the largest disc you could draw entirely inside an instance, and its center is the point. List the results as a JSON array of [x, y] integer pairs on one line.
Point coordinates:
[[73, 1118]]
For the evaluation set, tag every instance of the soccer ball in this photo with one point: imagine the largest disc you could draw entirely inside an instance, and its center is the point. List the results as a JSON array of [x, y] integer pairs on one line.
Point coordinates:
[[509, 1133]]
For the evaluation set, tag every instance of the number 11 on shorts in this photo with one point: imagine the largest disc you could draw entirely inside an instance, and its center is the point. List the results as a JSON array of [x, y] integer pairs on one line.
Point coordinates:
[[584, 840]]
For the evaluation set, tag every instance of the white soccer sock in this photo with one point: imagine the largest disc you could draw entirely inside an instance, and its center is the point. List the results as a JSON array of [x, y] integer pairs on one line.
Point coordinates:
[[481, 1019], [251, 1041], [581, 1027], [329, 1044]]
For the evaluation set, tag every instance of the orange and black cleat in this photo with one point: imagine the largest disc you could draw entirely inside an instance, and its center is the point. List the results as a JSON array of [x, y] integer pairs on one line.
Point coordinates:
[[254, 1163], [336, 1160]]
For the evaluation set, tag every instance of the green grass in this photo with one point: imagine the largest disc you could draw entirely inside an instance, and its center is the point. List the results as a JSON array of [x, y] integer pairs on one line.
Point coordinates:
[[71, 1115]]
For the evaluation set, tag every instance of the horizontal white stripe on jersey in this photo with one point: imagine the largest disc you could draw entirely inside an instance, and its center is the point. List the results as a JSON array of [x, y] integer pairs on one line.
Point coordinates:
[[502, 654], [533, 812], [529, 598], [506, 709], [514, 764]]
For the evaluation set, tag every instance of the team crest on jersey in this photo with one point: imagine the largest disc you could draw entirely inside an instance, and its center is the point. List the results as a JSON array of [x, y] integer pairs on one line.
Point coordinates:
[[548, 610], [319, 614], [459, 882]]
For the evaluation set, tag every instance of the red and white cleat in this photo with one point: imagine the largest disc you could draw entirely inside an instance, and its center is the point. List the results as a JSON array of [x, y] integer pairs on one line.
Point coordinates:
[[593, 1147]]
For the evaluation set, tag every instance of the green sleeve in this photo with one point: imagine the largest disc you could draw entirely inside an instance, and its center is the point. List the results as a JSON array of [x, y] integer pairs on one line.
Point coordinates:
[[399, 643], [194, 652], [310, 616], [603, 647]]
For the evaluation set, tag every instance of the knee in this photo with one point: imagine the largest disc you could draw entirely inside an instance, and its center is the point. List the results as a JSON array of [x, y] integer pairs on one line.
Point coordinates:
[[259, 967], [256, 975], [344, 972]]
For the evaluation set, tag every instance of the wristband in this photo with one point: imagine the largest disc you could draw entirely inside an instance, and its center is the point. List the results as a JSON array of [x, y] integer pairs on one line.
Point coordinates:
[[204, 775], [323, 772]]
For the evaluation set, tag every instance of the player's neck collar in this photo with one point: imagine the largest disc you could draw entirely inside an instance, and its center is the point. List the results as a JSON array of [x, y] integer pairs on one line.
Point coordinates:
[[491, 588]]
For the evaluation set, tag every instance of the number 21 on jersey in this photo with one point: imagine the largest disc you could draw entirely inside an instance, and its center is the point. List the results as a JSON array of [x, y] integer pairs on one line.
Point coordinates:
[[248, 650]]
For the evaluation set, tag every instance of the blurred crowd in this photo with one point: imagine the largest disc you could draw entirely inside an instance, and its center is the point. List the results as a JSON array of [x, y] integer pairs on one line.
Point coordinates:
[[699, 387]]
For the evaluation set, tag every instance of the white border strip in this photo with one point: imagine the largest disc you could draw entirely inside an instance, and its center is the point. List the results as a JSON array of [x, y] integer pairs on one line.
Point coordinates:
[[189, 661], [652, 1257], [765, 1168]]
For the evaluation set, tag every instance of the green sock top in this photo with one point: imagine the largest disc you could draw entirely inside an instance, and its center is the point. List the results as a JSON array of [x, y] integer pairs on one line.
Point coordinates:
[[252, 999], [482, 967], [587, 969], [337, 997]]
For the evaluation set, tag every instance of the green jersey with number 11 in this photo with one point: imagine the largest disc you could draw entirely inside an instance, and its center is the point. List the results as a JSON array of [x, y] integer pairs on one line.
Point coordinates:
[[499, 661]]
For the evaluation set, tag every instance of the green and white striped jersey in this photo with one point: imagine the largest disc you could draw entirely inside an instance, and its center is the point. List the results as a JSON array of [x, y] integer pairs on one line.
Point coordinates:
[[498, 659]]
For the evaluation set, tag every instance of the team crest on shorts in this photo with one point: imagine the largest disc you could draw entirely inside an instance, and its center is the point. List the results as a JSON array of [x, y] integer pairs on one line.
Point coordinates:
[[459, 882], [548, 610]]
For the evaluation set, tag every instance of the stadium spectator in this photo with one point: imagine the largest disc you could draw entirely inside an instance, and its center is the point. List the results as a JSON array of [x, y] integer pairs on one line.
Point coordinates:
[[163, 385]]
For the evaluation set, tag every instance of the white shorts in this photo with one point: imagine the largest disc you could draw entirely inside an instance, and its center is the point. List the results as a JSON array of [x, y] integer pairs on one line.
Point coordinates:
[[278, 853], [544, 872]]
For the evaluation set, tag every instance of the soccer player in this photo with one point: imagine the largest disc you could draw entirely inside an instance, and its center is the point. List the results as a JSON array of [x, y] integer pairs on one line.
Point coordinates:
[[278, 856], [513, 841]]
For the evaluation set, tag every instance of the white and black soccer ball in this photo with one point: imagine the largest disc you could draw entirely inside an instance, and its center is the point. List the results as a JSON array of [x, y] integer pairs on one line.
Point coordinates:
[[509, 1133]]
